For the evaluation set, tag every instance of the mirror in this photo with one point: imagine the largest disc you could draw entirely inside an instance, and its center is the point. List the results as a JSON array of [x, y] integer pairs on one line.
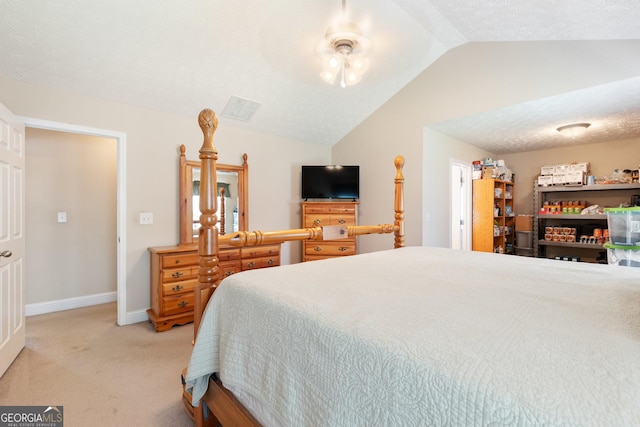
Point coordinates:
[[233, 197]]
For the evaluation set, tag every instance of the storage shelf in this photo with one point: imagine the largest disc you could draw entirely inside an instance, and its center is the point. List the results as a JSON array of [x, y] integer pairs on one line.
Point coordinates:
[[595, 187], [572, 216], [602, 194], [570, 244]]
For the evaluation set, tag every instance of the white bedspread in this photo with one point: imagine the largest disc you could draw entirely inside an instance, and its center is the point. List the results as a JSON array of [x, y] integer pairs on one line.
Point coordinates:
[[428, 336]]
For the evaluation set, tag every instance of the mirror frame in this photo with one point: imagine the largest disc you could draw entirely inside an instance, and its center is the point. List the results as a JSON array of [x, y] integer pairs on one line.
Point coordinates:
[[186, 194]]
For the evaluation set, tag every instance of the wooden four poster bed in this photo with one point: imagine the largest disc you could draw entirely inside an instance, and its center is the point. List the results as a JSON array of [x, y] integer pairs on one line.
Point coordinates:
[[410, 335]]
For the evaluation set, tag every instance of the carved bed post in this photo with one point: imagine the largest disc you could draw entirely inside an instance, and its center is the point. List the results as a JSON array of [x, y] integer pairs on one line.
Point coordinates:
[[399, 203], [209, 271]]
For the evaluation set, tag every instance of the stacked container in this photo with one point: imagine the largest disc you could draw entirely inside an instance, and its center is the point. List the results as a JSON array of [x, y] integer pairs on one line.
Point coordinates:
[[623, 247]]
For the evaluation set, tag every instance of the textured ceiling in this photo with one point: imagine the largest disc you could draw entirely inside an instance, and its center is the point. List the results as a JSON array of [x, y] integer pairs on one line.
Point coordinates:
[[179, 56]]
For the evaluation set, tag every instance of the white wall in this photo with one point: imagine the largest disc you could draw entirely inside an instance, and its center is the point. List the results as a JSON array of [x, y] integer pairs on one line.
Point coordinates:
[[75, 174], [438, 152], [153, 140]]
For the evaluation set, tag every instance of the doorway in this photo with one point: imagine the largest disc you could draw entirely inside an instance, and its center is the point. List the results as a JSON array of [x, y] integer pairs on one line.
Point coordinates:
[[120, 137], [460, 185]]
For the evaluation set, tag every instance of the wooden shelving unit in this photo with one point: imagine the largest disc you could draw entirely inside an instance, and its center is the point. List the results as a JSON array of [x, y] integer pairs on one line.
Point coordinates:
[[493, 216]]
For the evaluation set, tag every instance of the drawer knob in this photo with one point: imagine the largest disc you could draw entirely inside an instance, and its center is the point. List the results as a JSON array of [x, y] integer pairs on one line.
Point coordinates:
[[251, 264], [270, 262], [182, 304], [342, 221], [177, 274], [317, 222], [317, 249], [342, 249], [177, 288], [228, 273]]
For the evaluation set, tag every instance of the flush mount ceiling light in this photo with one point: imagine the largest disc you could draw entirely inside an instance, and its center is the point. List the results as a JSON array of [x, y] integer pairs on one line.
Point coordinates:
[[343, 51], [574, 130]]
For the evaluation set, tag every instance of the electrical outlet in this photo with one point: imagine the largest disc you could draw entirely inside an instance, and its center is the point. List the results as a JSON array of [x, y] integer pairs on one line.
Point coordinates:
[[62, 217], [146, 218]]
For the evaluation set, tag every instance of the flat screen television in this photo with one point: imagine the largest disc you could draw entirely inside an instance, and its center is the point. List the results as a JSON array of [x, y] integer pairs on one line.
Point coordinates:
[[330, 182]]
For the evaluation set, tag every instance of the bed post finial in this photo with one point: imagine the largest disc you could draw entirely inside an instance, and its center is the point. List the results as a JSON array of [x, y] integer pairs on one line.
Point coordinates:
[[208, 272], [399, 203], [208, 121]]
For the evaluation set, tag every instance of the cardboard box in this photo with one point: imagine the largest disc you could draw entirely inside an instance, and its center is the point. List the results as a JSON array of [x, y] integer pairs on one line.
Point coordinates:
[[559, 178], [488, 172], [563, 168], [574, 178], [547, 170], [524, 223], [580, 167], [545, 181]]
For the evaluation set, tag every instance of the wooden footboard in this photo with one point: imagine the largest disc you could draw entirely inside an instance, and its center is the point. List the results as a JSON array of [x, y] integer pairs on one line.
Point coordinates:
[[226, 408]]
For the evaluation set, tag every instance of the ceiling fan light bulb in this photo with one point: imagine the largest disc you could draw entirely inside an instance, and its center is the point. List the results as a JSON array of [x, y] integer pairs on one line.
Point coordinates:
[[333, 62], [351, 77], [361, 65], [328, 76]]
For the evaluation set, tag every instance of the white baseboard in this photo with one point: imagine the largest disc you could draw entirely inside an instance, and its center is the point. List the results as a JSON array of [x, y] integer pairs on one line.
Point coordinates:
[[69, 303], [137, 316]]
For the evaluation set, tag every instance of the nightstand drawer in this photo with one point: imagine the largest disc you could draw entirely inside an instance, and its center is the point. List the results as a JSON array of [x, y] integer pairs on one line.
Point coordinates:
[[178, 274], [176, 288], [178, 304]]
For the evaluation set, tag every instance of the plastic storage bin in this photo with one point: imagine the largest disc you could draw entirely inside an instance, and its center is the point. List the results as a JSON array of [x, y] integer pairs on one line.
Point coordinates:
[[624, 226], [623, 255]]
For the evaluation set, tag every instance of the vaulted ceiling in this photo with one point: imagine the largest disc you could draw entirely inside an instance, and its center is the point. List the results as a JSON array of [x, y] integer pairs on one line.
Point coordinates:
[[179, 56]]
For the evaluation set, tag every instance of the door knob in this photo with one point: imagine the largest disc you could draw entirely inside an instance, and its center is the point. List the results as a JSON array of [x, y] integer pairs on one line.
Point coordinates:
[[6, 254]]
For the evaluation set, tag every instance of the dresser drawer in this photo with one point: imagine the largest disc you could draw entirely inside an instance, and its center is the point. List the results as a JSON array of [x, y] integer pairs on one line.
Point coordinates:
[[326, 208], [321, 220], [228, 254], [229, 268], [175, 260], [330, 248], [176, 288], [260, 262], [178, 303], [317, 220], [260, 251], [177, 274]]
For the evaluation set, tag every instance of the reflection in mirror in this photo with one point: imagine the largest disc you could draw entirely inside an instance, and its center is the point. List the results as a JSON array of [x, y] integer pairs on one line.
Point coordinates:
[[228, 202], [232, 207]]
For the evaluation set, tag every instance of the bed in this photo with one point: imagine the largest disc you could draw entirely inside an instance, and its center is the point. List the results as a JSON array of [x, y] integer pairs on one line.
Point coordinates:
[[416, 336]]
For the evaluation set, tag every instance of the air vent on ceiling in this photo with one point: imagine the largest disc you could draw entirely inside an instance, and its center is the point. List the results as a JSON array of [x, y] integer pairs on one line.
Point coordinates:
[[240, 108]]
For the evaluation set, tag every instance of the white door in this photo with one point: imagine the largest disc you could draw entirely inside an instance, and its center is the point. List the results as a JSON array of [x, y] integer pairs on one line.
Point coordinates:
[[12, 252], [460, 205]]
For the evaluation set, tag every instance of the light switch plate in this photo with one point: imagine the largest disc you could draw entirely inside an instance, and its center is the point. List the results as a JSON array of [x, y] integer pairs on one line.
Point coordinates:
[[146, 218]]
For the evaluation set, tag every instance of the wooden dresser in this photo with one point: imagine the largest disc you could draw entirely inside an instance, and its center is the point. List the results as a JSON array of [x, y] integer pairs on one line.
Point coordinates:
[[319, 214], [174, 272]]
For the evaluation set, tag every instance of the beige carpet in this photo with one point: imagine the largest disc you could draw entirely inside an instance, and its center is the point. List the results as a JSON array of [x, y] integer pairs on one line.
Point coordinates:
[[102, 374]]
